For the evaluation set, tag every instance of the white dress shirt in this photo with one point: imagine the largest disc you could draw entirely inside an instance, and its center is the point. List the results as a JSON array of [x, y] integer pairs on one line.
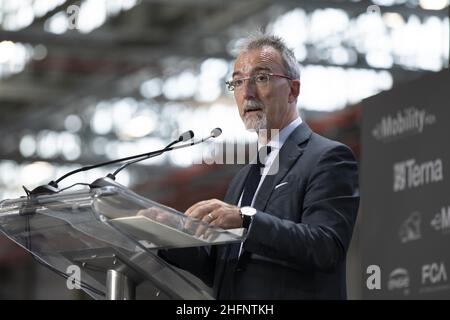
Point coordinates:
[[275, 143]]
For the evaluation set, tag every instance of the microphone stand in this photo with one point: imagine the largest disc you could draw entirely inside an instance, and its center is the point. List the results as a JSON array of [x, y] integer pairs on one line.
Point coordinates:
[[52, 186], [109, 180]]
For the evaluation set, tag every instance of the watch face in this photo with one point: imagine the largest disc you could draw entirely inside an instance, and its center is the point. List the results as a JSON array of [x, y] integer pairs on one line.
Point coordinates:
[[248, 211]]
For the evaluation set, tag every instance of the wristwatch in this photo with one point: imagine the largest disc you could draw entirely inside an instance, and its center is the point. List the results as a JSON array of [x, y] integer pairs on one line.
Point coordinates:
[[247, 214]]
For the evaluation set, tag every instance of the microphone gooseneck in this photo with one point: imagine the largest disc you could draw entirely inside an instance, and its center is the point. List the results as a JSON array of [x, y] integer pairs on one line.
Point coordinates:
[[52, 186], [188, 135]]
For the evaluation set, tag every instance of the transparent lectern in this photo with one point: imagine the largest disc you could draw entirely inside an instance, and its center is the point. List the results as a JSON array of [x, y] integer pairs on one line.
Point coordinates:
[[110, 235]]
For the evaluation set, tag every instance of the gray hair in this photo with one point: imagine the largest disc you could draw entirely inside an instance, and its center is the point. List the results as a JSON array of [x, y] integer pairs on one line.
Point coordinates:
[[290, 64]]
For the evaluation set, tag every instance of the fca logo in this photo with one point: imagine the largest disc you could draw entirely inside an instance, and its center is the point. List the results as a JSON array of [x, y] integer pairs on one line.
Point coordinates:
[[434, 273], [374, 280]]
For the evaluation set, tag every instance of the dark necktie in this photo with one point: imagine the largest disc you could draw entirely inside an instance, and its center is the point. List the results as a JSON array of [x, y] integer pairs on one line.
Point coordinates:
[[254, 176], [251, 184]]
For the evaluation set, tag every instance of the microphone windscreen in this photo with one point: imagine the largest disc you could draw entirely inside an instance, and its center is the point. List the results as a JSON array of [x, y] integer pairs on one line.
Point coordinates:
[[188, 135], [216, 132]]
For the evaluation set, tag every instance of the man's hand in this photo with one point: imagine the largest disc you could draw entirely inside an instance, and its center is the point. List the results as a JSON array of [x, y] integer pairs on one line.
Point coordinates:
[[215, 212], [162, 216]]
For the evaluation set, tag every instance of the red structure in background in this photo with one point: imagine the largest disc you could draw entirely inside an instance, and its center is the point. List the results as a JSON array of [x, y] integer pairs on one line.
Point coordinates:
[[343, 125], [183, 187]]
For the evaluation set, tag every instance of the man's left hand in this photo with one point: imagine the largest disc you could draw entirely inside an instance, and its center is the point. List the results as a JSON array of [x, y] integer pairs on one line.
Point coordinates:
[[215, 212]]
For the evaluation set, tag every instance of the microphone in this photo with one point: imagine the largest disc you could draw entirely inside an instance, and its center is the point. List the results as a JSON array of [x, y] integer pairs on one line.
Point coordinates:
[[109, 180], [188, 135], [216, 132], [52, 186]]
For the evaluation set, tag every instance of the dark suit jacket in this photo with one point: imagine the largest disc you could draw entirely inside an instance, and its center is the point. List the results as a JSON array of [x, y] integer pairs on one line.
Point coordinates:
[[297, 243]]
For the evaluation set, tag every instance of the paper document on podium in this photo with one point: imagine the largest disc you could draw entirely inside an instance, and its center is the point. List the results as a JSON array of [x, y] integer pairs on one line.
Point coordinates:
[[153, 234]]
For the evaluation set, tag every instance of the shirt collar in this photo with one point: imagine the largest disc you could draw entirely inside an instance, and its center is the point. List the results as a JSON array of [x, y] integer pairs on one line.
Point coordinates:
[[278, 140]]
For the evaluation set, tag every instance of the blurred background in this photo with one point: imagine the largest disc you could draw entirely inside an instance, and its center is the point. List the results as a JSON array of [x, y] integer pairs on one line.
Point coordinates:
[[87, 81]]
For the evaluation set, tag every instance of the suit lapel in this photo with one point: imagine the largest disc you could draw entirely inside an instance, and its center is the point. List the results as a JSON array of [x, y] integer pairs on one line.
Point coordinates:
[[238, 186], [287, 156]]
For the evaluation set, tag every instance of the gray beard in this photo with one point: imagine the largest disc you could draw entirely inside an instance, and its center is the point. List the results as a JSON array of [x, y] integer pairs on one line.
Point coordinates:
[[256, 123]]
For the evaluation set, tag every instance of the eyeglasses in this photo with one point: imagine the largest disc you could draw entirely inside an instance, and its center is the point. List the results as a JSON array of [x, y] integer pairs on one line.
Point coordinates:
[[260, 79]]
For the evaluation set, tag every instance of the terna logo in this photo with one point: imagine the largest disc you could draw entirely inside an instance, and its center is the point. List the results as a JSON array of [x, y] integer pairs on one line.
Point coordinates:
[[409, 174]]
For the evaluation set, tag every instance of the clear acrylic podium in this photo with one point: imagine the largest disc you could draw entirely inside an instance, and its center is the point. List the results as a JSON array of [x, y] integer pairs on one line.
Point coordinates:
[[111, 235]]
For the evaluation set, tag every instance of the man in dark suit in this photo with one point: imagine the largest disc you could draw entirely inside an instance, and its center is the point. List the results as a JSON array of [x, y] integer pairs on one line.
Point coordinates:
[[299, 204]]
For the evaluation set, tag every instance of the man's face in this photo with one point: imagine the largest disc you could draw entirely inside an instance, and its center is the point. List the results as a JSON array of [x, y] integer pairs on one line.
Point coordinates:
[[267, 106]]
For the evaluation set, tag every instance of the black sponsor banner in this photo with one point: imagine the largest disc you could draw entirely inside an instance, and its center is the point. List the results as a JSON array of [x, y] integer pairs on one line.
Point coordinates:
[[405, 188]]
